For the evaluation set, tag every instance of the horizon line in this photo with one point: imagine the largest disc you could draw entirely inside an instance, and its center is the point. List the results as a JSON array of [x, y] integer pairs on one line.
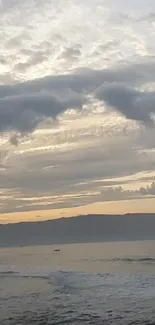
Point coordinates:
[[78, 216]]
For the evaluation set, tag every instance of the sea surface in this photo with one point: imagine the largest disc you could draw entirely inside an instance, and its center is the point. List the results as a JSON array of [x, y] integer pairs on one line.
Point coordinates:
[[96, 283]]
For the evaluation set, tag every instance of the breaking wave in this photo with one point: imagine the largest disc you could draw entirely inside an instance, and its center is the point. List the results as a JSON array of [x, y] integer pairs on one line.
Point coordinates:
[[142, 260], [71, 318], [8, 273], [80, 298], [135, 259]]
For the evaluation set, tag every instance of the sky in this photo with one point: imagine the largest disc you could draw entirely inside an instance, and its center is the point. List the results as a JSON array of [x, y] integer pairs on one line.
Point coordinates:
[[77, 108]]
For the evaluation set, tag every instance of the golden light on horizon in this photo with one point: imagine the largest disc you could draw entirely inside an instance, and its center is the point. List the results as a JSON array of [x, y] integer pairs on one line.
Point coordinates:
[[120, 207]]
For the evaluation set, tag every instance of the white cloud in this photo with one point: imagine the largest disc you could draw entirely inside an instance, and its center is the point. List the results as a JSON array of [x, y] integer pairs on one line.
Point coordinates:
[[53, 57]]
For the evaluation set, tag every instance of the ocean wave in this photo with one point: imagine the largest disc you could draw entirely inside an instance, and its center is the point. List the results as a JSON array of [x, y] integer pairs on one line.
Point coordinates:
[[41, 275], [74, 318], [9, 273], [142, 260], [22, 274], [54, 319], [81, 298], [136, 259]]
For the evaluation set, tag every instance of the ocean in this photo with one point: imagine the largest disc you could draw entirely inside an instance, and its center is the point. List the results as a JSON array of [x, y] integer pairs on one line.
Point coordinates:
[[96, 283]]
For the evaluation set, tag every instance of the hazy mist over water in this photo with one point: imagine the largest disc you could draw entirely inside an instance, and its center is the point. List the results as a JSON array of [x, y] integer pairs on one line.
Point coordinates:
[[97, 283]]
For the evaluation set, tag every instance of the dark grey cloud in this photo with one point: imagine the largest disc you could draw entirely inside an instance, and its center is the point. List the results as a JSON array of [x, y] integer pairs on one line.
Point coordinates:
[[87, 80], [24, 105], [23, 112], [133, 104]]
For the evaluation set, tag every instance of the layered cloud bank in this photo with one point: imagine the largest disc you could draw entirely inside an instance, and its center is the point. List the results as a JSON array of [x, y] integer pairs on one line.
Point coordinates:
[[77, 103], [24, 105]]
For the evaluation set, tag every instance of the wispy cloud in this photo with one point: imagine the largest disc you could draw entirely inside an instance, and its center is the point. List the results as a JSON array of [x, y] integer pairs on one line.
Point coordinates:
[[77, 92]]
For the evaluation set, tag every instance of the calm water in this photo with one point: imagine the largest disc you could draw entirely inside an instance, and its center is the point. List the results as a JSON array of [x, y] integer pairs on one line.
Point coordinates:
[[107, 283]]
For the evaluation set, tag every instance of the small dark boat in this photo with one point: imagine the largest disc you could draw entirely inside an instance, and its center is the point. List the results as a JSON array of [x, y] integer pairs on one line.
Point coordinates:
[[57, 250]]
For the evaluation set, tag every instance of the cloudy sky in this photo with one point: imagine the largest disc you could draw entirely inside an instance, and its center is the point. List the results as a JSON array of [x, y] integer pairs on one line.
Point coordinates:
[[77, 108]]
